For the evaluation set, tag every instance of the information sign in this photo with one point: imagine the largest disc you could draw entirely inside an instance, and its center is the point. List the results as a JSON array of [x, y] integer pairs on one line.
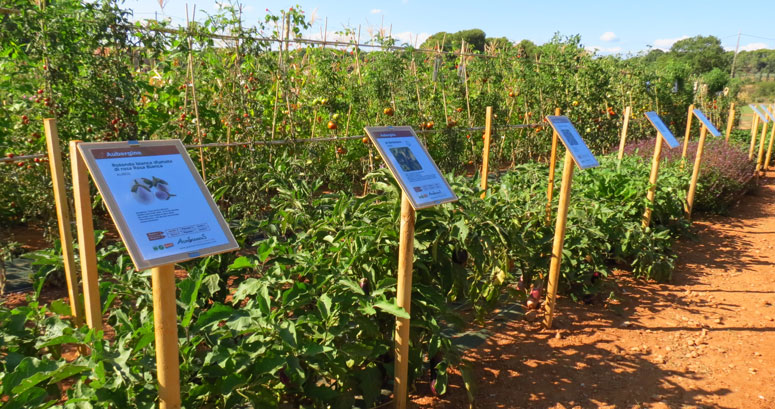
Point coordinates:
[[663, 129], [161, 207], [767, 111], [572, 140], [706, 122], [757, 112], [411, 165]]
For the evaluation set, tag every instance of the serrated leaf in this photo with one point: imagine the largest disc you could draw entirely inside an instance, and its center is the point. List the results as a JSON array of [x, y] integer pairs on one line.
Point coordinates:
[[393, 309]]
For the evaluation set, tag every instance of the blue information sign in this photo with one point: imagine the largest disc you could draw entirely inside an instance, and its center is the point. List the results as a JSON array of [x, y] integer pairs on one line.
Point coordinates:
[[756, 110], [767, 110], [411, 165], [572, 140], [662, 129], [706, 122]]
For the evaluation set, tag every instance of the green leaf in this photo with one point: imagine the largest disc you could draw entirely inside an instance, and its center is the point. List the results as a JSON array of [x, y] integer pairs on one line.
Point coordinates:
[[288, 333], [60, 307], [66, 371], [216, 313], [393, 309], [62, 339], [248, 287], [324, 306], [241, 262]]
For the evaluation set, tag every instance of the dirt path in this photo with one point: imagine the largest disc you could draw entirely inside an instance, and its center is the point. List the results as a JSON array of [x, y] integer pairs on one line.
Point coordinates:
[[705, 341]]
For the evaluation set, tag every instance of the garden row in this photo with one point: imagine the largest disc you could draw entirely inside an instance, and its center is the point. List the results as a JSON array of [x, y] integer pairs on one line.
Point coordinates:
[[104, 78], [306, 317]]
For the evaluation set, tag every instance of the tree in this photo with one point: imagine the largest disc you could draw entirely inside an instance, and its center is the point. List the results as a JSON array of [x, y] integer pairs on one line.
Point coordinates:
[[701, 53], [475, 38]]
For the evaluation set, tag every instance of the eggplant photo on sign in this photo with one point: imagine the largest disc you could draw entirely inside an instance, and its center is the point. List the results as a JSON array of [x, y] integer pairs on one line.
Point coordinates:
[[411, 165]]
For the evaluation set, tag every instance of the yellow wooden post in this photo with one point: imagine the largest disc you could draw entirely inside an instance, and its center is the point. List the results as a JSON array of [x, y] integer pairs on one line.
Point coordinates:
[[86, 246], [695, 173], [730, 120], [166, 334], [754, 131], [559, 238], [552, 166], [63, 218], [404, 300], [623, 139], [688, 131], [653, 180], [769, 149], [486, 153], [760, 156]]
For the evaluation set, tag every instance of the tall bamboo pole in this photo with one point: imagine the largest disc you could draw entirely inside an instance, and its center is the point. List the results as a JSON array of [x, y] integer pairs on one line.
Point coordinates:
[[695, 173], [559, 238], [754, 131], [653, 180], [486, 153], [552, 166], [623, 139], [404, 300], [86, 245], [166, 335], [760, 156], [730, 120], [63, 218], [688, 131]]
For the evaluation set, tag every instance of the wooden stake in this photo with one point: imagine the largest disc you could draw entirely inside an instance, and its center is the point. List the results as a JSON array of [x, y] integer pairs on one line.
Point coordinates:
[[653, 180], [769, 149], [695, 173], [552, 166], [760, 156], [166, 334], [688, 131], [87, 249], [623, 139], [730, 120], [486, 153], [63, 218], [754, 131], [404, 300], [559, 238]]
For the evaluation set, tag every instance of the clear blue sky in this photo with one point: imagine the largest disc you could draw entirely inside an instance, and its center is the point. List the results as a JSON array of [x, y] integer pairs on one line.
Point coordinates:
[[609, 26]]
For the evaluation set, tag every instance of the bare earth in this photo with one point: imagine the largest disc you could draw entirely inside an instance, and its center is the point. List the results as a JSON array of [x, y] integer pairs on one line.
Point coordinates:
[[705, 341]]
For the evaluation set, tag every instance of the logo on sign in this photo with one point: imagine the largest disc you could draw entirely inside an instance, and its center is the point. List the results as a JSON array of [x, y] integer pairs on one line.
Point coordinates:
[[155, 235]]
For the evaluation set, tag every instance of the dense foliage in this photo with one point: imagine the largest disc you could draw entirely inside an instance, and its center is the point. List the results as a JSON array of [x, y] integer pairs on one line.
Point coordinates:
[[303, 315]]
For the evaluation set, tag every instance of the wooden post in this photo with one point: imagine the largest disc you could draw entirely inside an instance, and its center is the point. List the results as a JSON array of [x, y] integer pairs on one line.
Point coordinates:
[[552, 166], [165, 322], [769, 149], [86, 246], [559, 238], [760, 156], [486, 153], [623, 139], [653, 180], [688, 131], [754, 131], [404, 300], [63, 218], [695, 173], [730, 120]]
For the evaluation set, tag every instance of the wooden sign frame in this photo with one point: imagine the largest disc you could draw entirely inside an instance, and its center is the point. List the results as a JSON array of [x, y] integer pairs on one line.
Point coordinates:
[[114, 206], [378, 134]]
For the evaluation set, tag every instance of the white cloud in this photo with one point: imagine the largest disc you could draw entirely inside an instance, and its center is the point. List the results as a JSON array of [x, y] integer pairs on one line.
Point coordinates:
[[609, 36], [376, 11], [409, 37], [604, 50], [752, 47], [664, 44]]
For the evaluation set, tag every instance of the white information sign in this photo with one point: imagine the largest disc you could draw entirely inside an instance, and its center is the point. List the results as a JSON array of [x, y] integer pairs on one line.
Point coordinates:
[[767, 110], [706, 122], [411, 165], [757, 112], [663, 129], [161, 207], [572, 140]]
